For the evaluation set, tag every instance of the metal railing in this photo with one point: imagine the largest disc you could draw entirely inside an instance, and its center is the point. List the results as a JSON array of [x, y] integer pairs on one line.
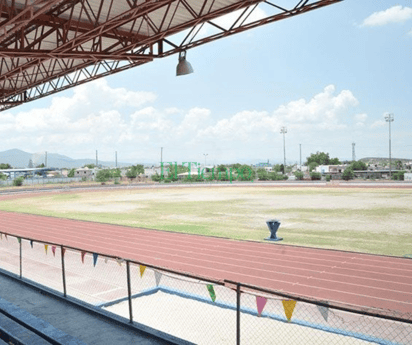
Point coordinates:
[[195, 308]]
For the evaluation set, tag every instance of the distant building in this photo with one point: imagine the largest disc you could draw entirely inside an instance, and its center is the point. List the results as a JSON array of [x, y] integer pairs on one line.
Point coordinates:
[[408, 177], [330, 169], [84, 172], [263, 165]]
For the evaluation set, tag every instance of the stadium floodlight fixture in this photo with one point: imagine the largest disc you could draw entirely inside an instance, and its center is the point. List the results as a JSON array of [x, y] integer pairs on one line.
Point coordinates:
[[184, 66]]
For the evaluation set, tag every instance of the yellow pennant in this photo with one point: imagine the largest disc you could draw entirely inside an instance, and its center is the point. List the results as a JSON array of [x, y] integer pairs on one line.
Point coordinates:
[[45, 248], [289, 306], [142, 269]]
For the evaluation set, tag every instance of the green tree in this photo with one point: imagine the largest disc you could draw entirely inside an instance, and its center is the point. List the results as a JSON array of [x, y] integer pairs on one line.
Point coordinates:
[[359, 165], [322, 158], [18, 181], [245, 173], [40, 166], [312, 166], [103, 175], [221, 168], [134, 171], [315, 176], [71, 173], [5, 166], [282, 168], [299, 175], [277, 168], [90, 166], [3, 176], [348, 174], [262, 174], [399, 164]]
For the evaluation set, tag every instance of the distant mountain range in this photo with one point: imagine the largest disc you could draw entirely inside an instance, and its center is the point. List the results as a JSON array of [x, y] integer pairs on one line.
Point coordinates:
[[20, 159]]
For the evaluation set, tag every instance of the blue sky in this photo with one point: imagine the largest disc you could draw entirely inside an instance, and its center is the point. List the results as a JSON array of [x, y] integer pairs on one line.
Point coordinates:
[[329, 76]]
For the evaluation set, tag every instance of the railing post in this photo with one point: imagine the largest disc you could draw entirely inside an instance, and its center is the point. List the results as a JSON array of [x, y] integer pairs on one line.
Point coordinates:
[[20, 260], [129, 291], [63, 271], [238, 314]]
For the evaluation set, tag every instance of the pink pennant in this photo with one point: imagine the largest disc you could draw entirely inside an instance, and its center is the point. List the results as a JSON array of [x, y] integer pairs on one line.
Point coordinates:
[[54, 250], [83, 254], [260, 302]]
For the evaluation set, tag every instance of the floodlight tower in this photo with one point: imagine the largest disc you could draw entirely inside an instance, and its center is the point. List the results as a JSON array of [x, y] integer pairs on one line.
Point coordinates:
[[389, 118], [283, 131]]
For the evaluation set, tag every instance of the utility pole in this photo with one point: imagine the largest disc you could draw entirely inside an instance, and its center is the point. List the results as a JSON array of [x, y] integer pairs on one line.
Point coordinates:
[[161, 156], [300, 153], [284, 130], [45, 159], [115, 158], [353, 152], [97, 161], [389, 118]]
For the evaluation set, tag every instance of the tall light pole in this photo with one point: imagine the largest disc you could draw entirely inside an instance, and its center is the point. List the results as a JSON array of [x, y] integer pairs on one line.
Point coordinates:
[[284, 130], [205, 154], [389, 118]]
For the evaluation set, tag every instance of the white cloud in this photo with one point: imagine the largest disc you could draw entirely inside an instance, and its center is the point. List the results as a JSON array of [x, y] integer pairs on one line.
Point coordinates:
[[323, 112], [82, 123], [378, 123], [395, 14], [361, 117]]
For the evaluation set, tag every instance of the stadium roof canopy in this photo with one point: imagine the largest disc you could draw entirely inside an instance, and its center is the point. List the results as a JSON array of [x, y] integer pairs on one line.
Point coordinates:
[[51, 45]]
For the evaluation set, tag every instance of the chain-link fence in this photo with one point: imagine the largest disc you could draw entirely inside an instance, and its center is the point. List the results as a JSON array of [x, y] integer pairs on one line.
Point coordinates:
[[193, 308]]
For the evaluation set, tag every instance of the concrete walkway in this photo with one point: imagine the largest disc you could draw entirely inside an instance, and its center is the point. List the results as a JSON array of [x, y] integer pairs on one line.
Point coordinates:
[[71, 319]]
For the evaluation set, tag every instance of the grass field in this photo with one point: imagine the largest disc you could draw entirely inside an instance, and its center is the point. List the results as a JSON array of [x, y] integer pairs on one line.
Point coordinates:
[[366, 220]]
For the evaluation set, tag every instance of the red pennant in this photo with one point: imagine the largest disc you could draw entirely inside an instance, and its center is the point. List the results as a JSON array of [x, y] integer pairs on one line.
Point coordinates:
[[83, 254], [63, 251]]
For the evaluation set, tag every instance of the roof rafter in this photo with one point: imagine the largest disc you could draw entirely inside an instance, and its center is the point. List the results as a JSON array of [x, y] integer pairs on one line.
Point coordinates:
[[51, 46]]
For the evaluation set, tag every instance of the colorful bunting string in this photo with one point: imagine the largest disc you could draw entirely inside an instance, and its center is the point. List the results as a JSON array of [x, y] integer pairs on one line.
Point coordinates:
[[83, 253], [142, 269], [119, 261], [260, 302], [19, 239], [95, 259], [289, 306], [45, 248], [31, 243], [54, 250], [158, 276], [211, 292]]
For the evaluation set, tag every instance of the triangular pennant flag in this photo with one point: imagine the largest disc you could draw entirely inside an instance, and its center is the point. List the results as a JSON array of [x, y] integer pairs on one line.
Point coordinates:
[[142, 269], [106, 260], [324, 311], [54, 250], [260, 302], [5, 236], [95, 259], [19, 239], [1, 236], [289, 306], [83, 254], [211, 292], [158, 276], [63, 251], [45, 248], [119, 261], [31, 243]]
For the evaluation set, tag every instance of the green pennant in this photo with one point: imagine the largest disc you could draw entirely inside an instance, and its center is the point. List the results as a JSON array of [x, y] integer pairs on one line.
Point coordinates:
[[211, 292], [19, 239]]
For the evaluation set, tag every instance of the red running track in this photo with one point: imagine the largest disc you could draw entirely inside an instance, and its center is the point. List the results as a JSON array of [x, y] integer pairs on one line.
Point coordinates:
[[361, 280]]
